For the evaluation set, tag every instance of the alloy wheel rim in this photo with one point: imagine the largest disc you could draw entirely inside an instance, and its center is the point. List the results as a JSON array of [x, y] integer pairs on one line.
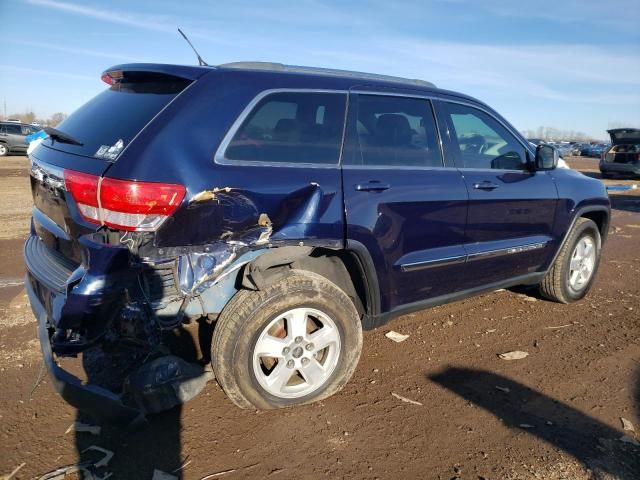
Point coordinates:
[[582, 263], [296, 353], [3, 150]]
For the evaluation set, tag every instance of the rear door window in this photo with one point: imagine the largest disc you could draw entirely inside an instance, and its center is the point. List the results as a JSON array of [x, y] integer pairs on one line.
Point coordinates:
[[291, 127], [480, 141], [13, 129], [393, 131], [118, 114]]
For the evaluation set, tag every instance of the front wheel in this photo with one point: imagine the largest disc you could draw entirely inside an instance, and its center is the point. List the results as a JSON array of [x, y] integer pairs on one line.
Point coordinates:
[[4, 150], [295, 342], [572, 273]]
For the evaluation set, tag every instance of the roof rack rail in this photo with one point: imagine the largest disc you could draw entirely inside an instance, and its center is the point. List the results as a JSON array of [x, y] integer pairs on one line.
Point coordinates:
[[323, 71]]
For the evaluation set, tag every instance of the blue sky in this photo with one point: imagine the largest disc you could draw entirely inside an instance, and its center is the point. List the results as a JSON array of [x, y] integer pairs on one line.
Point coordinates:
[[569, 64]]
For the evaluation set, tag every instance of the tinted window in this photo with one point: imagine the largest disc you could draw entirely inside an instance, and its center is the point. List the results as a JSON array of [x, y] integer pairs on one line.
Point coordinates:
[[393, 131], [118, 113], [13, 129], [296, 127], [479, 141]]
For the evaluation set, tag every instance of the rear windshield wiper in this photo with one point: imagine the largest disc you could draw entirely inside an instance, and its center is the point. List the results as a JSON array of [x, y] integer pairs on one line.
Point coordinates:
[[61, 136]]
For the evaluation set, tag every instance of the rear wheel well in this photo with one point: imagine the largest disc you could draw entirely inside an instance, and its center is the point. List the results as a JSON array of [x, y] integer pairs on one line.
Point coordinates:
[[340, 267]]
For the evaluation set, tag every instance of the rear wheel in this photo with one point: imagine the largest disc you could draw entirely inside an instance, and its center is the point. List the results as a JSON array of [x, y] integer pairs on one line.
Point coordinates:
[[573, 271], [3, 150], [295, 342]]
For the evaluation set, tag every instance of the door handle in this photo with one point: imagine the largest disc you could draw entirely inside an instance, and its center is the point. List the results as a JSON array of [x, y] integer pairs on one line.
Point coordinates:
[[372, 186], [486, 185]]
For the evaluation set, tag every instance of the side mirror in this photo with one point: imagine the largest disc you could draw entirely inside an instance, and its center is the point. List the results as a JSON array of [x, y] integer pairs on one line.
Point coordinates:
[[546, 157]]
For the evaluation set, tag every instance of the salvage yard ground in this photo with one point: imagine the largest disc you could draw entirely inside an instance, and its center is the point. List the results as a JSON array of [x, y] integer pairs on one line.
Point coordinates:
[[439, 405]]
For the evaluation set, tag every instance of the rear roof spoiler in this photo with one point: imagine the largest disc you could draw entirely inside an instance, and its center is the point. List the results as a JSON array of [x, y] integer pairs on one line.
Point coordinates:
[[180, 71]]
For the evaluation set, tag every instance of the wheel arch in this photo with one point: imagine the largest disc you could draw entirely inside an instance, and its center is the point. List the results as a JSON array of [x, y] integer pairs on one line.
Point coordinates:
[[599, 214], [350, 269]]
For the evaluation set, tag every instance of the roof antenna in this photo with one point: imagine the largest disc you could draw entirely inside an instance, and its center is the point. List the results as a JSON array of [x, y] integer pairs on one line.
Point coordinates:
[[201, 62]]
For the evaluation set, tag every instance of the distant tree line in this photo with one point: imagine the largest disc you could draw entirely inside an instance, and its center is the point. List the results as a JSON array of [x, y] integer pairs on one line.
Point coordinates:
[[552, 134], [31, 117]]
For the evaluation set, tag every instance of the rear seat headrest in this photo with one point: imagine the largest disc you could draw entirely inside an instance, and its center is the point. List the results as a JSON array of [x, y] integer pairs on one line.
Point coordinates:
[[393, 129]]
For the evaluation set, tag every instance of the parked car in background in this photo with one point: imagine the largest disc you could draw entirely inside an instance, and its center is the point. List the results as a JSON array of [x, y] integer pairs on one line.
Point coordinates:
[[12, 137], [585, 149], [592, 150], [565, 149], [623, 157], [596, 150], [576, 148], [536, 141], [307, 205]]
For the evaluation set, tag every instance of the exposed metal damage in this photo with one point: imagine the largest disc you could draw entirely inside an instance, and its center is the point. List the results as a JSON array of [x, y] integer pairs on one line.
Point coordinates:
[[148, 328]]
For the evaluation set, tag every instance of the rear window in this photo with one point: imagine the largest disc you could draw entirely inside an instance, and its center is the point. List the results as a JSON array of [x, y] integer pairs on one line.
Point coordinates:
[[108, 122], [394, 132], [13, 129], [291, 127]]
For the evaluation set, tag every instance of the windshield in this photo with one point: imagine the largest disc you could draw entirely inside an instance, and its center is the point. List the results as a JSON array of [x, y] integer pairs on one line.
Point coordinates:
[[108, 122]]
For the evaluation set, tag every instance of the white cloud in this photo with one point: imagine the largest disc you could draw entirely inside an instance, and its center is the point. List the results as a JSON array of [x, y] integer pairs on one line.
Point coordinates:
[[540, 71], [75, 51], [622, 15], [46, 73], [138, 21], [161, 24]]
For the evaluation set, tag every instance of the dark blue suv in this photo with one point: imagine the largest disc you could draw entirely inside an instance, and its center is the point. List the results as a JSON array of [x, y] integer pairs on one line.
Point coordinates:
[[256, 217]]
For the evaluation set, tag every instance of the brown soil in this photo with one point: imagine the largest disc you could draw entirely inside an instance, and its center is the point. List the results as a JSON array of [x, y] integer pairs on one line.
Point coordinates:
[[559, 418]]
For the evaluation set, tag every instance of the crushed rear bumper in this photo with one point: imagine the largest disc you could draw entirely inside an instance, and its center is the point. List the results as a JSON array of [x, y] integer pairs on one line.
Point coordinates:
[[90, 398]]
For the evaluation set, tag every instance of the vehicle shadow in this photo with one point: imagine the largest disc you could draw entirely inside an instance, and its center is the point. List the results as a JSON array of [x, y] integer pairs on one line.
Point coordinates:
[[591, 442], [139, 449], [591, 174], [156, 444], [153, 442], [627, 203]]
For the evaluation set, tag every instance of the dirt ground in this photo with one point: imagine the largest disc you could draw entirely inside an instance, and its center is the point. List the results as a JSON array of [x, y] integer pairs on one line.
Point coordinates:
[[555, 414]]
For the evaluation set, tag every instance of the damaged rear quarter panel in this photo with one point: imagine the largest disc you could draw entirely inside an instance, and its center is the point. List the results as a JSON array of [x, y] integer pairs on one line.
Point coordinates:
[[253, 205]]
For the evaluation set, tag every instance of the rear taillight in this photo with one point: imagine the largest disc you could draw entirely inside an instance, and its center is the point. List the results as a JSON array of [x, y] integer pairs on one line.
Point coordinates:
[[123, 204], [129, 205], [84, 190]]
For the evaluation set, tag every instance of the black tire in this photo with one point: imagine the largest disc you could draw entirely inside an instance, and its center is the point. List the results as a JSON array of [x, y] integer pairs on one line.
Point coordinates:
[[605, 175], [556, 285], [4, 150], [248, 314]]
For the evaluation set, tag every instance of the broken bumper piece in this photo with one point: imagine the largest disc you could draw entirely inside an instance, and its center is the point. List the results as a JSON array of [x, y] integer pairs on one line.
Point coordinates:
[[90, 398], [158, 385]]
